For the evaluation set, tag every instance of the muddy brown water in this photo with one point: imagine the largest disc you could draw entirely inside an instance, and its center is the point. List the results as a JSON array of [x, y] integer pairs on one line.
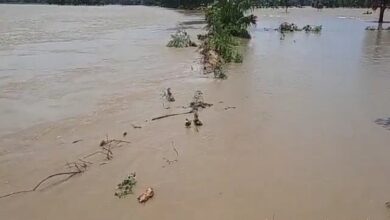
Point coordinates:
[[302, 143]]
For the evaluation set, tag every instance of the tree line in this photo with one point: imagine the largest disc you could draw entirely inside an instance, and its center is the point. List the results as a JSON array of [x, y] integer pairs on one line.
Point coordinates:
[[191, 4], [188, 4]]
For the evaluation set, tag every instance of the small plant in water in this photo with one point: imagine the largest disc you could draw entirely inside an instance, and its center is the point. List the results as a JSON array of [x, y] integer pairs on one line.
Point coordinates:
[[126, 186]]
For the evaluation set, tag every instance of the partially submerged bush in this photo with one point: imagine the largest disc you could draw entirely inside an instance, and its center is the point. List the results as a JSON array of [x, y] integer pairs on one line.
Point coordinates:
[[181, 39], [230, 16], [309, 28], [373, 28], [291, 27], [226, 20], [285, 27]]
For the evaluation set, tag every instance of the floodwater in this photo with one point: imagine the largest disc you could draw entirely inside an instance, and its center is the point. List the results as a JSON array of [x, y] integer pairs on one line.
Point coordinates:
[[303, 142], [55, 58]]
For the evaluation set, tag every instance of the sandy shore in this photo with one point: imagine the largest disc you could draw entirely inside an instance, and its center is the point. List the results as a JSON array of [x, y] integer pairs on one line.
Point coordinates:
[[286, 151]]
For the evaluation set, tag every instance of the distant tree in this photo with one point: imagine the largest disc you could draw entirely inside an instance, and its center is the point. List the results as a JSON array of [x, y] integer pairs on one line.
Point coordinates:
[[382, 5]]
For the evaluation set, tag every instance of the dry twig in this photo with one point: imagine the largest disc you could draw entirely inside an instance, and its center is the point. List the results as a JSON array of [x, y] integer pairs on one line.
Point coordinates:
[[170, 115]]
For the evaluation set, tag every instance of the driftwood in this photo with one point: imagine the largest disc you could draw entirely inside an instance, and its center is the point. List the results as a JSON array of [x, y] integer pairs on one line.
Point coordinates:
[[105, 142], [384, 122], [76, 141], [80, 168], [136, 126], [197, 122], [187, 123], [170, 115], [229, 107], [145, 196]]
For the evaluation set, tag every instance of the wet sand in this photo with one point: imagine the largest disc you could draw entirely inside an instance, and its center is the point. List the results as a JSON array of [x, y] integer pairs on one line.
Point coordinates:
[[300, 144]]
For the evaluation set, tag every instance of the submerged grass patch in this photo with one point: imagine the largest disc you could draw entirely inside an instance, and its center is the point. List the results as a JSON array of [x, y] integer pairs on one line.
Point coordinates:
[[126, 186]]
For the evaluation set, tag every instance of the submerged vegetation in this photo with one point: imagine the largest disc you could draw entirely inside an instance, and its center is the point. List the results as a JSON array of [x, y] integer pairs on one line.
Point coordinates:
[[291, 27], [181, 39], [126, 186]]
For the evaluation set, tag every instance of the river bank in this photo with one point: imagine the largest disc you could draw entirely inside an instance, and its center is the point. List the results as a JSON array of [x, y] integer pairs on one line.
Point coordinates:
[[301, 142]]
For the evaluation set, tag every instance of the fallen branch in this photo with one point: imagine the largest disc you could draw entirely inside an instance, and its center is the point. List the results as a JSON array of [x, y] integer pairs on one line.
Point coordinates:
[[229, 107], [54, 175], [136, 126], [177, 153], [94, 153], [170, 115], [80, 166], [105, 142], [76, 141], [70, 174]]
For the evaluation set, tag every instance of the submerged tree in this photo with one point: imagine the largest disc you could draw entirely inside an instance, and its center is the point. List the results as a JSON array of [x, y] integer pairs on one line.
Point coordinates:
[[382, 5], [230, 16], [226, 20]]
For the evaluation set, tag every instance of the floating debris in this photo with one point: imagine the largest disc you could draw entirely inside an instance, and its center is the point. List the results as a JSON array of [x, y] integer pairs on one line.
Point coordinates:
[[145, 196], [102, 143], [198, 101], [188, 123], [76, 141], [384, 122], [136, 126], [291, 27], [310, 28], [377, 28], [371, 28], [229, 107], [285, 26], [197, 122], [169, 95]]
